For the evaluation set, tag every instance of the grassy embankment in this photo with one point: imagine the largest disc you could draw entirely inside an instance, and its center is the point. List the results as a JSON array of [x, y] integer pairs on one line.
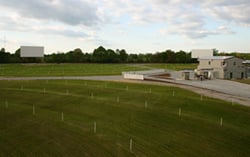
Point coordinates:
[[64, 69], [147, 114], [246, 81], [18, 70], [173, 66]]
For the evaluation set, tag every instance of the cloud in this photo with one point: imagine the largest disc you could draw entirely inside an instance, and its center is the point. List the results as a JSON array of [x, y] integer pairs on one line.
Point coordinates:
[[12, 23], [237, 13], [63, 32], [72, 12], [191, 18], [199, 19]]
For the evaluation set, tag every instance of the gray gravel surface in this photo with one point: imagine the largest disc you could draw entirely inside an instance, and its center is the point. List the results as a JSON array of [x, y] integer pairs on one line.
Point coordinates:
[[223, 89]]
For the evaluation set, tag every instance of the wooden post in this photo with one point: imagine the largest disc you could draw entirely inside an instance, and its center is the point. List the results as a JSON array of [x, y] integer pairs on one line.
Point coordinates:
[[146, 104], [94, 127], [44, 90], [62, 116], [6, 104], [33, 110], [221, 121], [179, 112], [92, 95], [118, 99], [131, 145]]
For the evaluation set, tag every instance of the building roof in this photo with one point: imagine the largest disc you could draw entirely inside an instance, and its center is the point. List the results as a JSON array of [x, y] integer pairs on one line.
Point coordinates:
[[246, 62], [215, 57]]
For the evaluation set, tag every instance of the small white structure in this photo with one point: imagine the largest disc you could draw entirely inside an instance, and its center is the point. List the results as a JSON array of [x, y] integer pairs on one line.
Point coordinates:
[[32, 51], [187, 75], [198, 53], [222, 67], [140, 75]]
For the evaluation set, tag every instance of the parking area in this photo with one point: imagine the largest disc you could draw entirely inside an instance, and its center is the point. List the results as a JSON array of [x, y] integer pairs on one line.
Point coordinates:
[[222, 89], [223, 86]]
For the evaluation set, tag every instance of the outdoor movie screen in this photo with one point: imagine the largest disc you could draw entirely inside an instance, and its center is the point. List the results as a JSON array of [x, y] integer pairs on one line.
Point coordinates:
[[32, 51]]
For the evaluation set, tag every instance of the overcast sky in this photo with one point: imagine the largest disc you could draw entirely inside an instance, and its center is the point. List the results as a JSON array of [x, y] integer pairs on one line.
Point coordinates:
[[139, 26]]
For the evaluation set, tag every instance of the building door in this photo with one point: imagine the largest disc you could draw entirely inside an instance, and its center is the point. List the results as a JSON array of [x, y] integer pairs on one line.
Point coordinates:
[[231, 75], [206, 75], [187, 75], [242, 75]]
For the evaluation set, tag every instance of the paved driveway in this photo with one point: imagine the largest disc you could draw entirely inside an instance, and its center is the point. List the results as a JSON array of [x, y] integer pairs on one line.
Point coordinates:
[[223, 86]]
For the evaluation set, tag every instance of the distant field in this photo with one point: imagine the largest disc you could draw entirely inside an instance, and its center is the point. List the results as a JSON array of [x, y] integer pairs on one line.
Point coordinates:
[[81, 69], [174, 66], [64, 69], [31, 121], [247, 81]]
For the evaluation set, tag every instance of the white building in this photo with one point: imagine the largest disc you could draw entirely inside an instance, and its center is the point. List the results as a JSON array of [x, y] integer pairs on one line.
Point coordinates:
[[222, 67]]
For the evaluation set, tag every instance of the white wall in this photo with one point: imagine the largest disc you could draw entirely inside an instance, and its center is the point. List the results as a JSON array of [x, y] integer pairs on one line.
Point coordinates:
[[133, 76], [197, 53], [32, 51]]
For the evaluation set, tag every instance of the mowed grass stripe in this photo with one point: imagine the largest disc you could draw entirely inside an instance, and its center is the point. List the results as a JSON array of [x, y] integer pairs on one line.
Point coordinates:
[[105, 93], [65, 69], [156, 131]]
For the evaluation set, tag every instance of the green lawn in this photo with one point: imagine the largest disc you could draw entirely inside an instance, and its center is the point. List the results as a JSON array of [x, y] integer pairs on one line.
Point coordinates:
[[120, 114], [174, 66], [246, 81], [64, 69], [18, 70]]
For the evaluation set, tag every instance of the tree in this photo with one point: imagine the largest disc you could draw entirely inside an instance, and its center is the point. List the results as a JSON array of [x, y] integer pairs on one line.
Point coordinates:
[[180, 57], [133, 58], [98, 54], [215, 52], [75, 56], [4, 56], [123, 56]]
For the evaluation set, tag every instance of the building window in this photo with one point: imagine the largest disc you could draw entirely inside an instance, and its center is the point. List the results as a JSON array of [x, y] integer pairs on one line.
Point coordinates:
[[209, 62], [223, 63], [234, 63]]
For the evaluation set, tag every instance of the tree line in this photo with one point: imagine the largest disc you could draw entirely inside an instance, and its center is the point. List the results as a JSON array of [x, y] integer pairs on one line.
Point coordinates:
[[102, 55]]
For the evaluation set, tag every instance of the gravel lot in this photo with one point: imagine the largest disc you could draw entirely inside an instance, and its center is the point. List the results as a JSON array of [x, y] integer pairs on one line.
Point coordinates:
[[222, 89], [224, 86]]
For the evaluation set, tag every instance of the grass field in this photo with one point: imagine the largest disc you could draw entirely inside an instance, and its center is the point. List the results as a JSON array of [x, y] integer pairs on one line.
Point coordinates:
[[246, 81], [173, 66], [81, 69], [65, 69], [31, 121]]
